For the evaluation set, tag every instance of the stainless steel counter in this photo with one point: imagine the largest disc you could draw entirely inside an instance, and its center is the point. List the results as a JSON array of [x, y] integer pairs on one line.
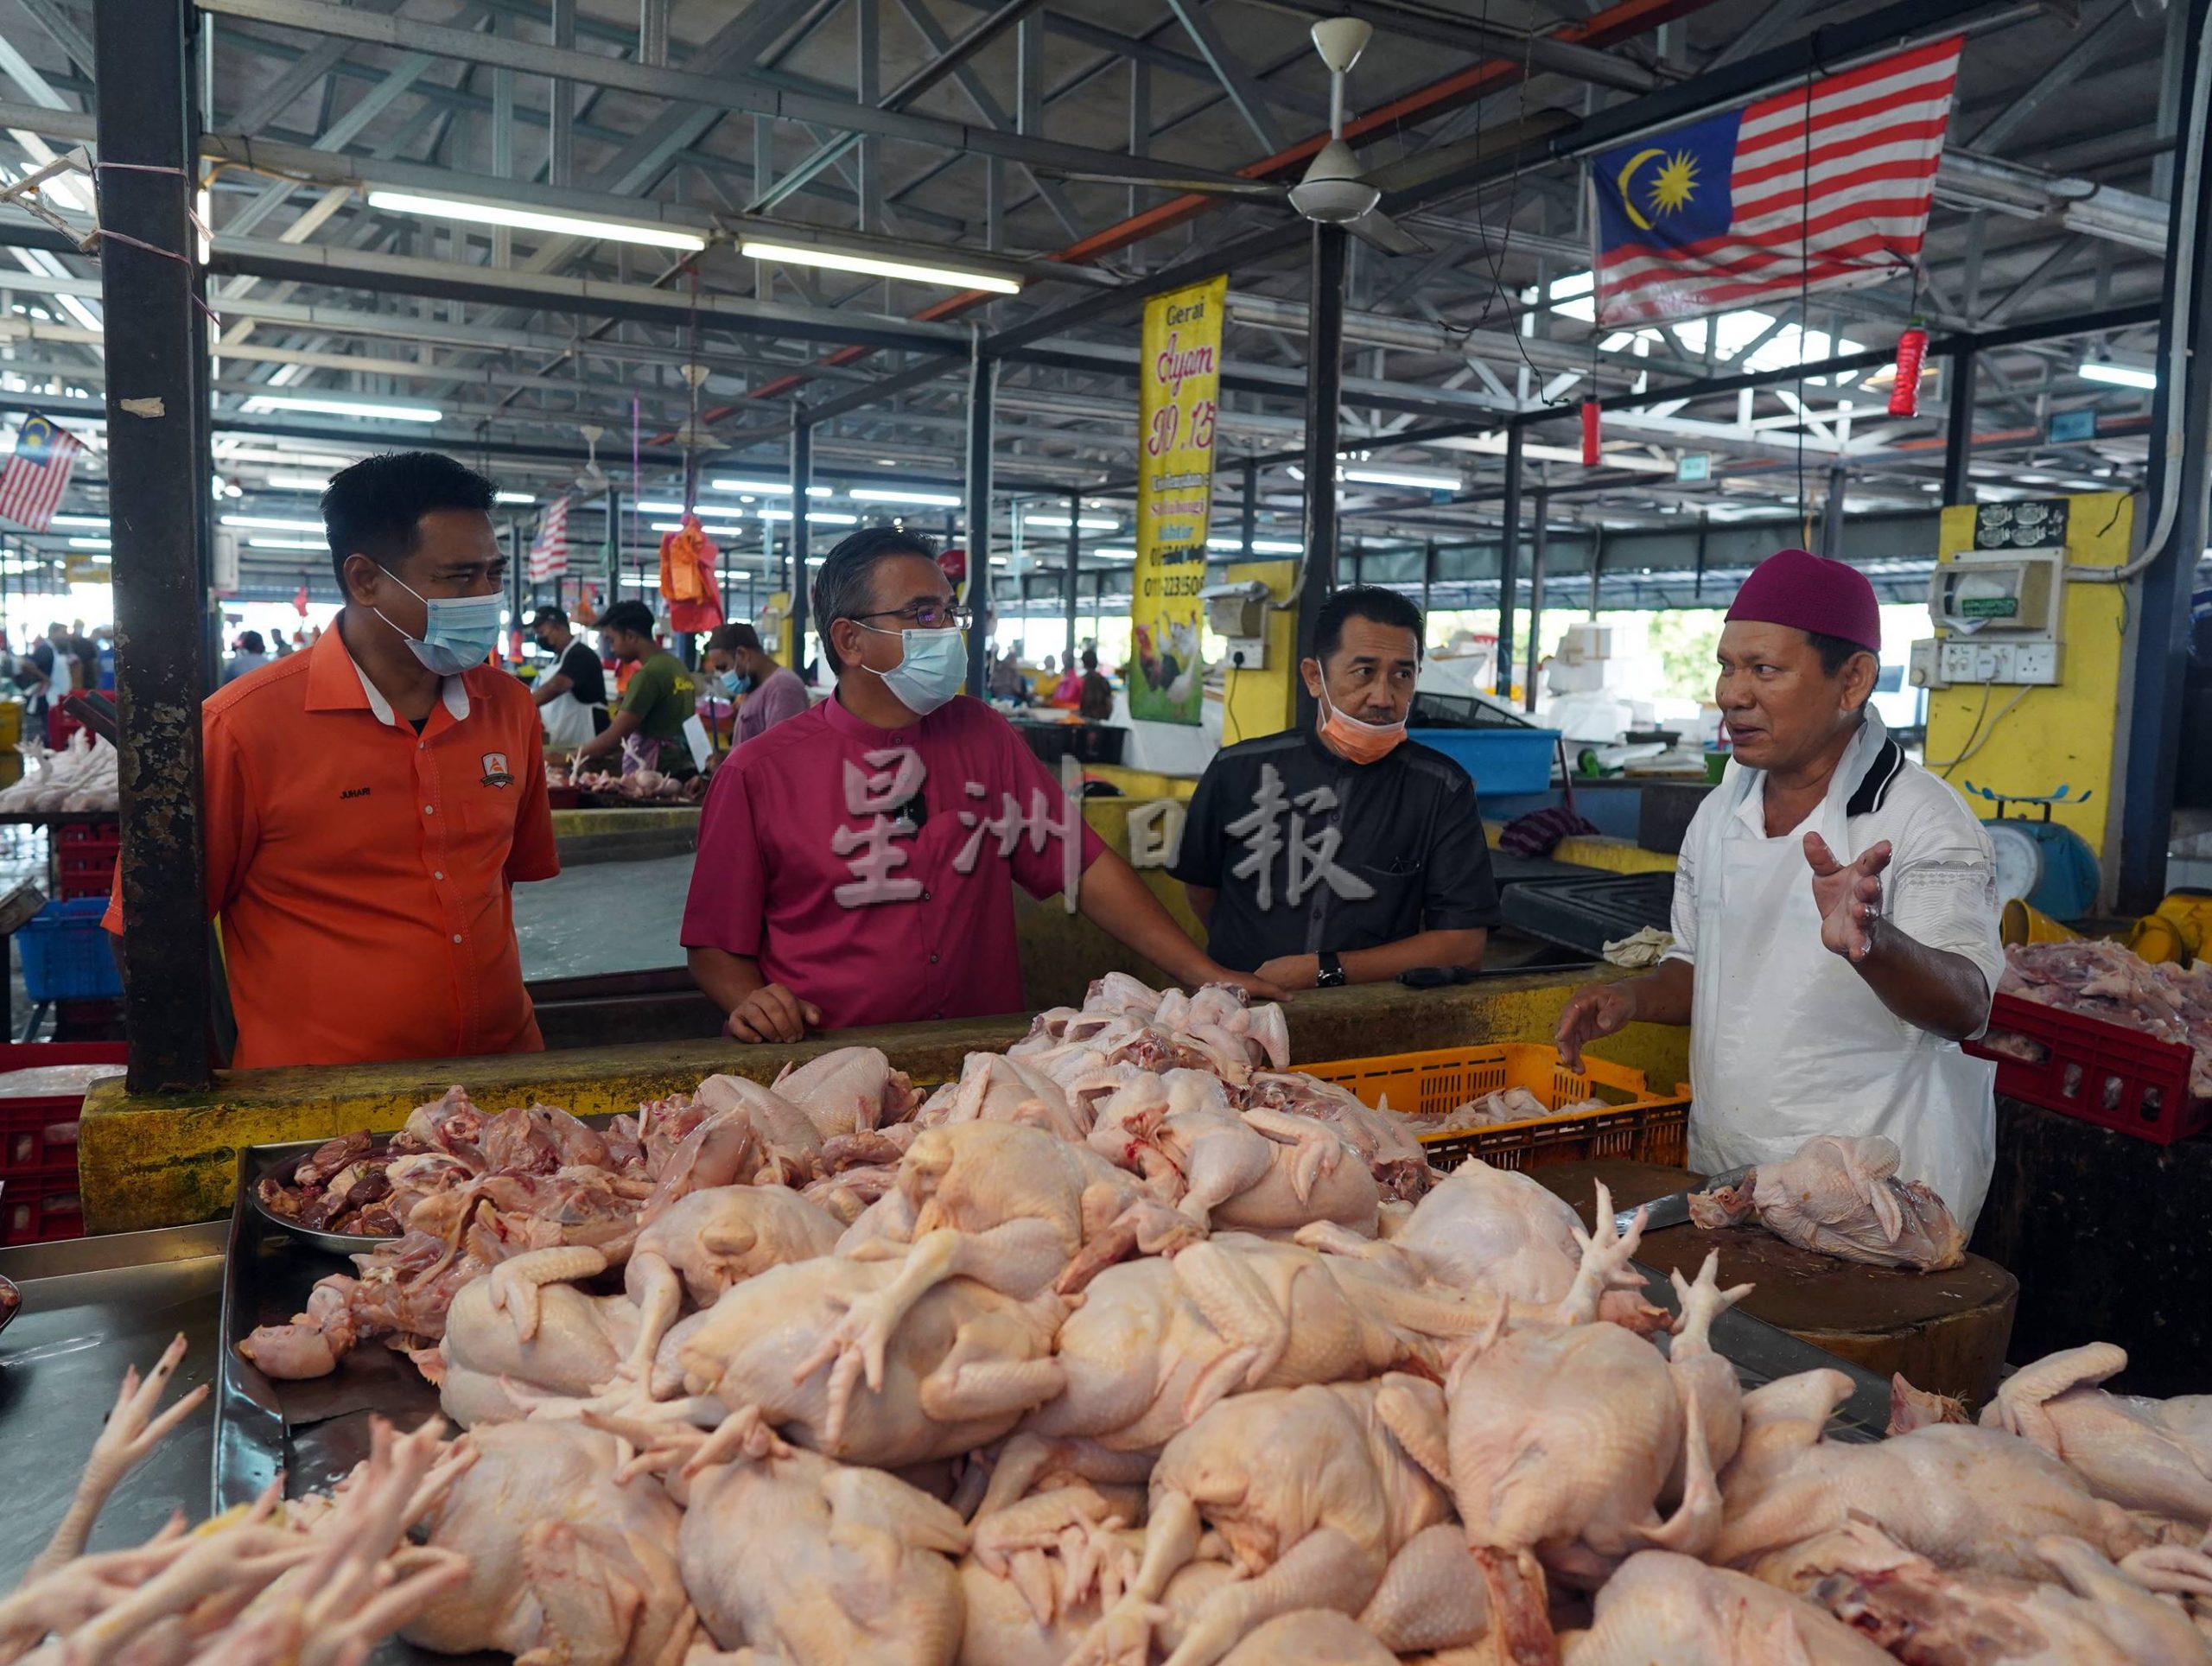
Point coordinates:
[[92, 1307]]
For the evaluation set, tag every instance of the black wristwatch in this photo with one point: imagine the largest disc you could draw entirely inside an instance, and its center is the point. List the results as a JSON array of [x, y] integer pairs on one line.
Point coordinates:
[[1331, 973]]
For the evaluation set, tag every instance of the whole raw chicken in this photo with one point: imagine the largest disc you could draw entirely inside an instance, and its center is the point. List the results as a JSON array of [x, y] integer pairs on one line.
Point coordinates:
[[526, 1325], [1964, 1497], [848, 1090], [1842, 1198], [1665, 1609], [566, 1566], [958, 1370], [2149, 1455], [815, 1563], [1494, 1229], [1393, 1154], [1565, 1443], [1317, 1533]]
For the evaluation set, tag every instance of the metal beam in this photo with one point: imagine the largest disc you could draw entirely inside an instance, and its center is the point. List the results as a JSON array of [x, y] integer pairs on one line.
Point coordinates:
[[1536, 552], [2095, 39], [157, 508], [1508, 561], [688, 86], [801, 583], [1237, 81]]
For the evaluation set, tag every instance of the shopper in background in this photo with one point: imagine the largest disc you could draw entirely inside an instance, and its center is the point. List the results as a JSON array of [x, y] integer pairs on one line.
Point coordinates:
[[1096, 705], [1346, 853], [371, 803], [281, 646], [572, 696], [1007, 682], [845, 873], [661, 699], [250, 656], [85, 655], [53, 668], [771, 692]]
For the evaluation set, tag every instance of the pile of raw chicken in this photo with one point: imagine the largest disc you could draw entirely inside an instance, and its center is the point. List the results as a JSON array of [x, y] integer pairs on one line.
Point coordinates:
[[2099, 979], [644, 787], [1132, 1344]]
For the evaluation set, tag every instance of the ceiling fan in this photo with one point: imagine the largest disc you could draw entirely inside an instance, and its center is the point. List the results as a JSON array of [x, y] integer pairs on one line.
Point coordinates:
[[1333, 191]]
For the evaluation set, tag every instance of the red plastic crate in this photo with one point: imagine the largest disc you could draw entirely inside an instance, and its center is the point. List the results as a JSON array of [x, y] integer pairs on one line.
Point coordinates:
[[35, 1209], [102, 836], [2104, 1073], [38, 1132]]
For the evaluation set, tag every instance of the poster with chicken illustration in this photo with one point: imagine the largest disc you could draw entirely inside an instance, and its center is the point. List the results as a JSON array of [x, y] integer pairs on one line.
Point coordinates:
[[1179, 392]]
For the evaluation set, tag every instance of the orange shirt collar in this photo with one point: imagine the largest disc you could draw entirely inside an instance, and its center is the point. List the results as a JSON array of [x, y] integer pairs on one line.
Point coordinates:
[[337, 683]]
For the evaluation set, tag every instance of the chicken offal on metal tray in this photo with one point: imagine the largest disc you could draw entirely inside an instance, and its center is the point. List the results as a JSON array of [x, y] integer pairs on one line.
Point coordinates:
[[1132, 1344]]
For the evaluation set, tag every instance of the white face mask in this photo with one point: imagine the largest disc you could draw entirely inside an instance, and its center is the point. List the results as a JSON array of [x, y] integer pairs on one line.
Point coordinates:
[[932, 665]]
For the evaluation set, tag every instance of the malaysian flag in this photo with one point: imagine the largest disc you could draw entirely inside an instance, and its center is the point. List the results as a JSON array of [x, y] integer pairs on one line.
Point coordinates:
[[32, 484], [548, 551], [1740, 207]]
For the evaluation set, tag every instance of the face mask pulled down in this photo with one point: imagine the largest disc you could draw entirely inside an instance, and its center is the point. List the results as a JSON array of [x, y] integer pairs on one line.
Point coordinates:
[[932, 665], [1358, 743], [459, 633]]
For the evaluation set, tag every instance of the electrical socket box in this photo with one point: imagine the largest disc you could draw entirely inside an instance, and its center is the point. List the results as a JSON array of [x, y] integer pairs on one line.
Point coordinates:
[[1969, 659], [1246, 654], [2015, 591], [1924, 666], [1237, 610]]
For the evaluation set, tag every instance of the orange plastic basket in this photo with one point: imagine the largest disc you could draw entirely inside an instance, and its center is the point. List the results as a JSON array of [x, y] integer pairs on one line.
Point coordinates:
[[1637, 1124]]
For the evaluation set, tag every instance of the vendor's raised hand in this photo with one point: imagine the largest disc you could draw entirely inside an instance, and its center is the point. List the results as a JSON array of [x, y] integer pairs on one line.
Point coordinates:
[[772, 1012], [1848, 895], [1601, 1009]]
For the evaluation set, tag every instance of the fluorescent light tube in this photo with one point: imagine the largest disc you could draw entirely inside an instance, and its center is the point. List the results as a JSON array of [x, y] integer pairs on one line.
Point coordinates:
[[331, 405], [1260, 546], [288, 544], [273, 523], [814, 518], [766, 488], [705, 525], [514, 497], [532, 220], [88, 543], [2122, 376], [1394, 477], [894, 494], [836, 261], [1084, 523], [97, 522]]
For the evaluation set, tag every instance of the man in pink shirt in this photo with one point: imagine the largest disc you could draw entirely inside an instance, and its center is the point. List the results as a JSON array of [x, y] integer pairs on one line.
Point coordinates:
[[738, 664], [854, 860]]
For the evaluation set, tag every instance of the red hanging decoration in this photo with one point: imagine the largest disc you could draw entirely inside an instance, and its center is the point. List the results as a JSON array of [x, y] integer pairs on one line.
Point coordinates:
[[1912, 352], [1589, 433]]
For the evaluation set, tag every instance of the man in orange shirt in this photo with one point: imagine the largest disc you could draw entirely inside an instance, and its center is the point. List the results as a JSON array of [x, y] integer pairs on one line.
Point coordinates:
[[371, 803]]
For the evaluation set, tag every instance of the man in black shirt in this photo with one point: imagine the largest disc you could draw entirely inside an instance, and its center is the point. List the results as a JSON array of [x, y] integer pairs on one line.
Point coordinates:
[[1350, 854], [571, 697]]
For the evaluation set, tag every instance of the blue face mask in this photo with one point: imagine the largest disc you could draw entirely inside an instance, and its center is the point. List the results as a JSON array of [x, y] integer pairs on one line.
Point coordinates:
[[932, 666], [459, 633], [736, 683]]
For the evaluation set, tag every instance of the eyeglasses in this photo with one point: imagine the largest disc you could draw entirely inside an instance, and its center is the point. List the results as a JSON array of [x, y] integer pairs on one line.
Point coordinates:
[[926, 616]]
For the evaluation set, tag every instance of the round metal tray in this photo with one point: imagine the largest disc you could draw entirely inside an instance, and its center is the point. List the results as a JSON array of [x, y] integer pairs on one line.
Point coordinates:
[[10, 1308], [338, 1243]]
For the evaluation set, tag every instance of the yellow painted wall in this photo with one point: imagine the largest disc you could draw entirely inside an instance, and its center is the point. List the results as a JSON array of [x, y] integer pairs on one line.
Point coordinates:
[[780, 602], [1265, 702], [2064, 733]]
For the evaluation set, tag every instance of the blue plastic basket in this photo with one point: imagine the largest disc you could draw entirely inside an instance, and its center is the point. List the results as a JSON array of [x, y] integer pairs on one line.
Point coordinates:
[[1500, 760], [66, 955]]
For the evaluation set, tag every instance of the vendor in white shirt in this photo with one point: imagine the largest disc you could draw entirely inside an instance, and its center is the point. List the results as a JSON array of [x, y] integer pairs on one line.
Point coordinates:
[[1836, 912]]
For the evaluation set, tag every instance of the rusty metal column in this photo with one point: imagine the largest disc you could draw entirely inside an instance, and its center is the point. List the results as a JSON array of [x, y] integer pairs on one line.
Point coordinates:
[[1536, 595], [1325, 343], [613, 546], [157, 494], [1957, 427], [982, 384], [1508, 559]]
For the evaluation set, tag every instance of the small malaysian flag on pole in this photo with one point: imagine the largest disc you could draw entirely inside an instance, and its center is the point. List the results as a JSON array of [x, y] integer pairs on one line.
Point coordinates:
[[1825, 186], [548, 551], [37, 475]]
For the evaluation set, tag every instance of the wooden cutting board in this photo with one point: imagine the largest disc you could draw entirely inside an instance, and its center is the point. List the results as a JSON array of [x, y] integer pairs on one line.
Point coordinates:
[[1945, 1331]]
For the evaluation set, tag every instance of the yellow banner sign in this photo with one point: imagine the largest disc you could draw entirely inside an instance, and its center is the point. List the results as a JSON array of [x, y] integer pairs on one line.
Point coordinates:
[[1180, 390]]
